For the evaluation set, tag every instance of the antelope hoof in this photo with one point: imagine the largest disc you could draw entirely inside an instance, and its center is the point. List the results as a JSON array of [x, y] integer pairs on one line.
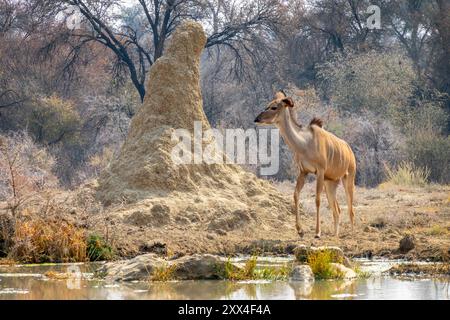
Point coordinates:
[[317, 236], [301, 233]]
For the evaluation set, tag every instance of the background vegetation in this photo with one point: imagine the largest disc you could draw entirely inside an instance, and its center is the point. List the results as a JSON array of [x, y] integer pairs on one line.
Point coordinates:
[[67, 94]]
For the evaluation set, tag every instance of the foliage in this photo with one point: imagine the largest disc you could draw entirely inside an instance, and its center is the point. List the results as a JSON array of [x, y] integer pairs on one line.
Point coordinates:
[[384, 91], [320, 263], [40, 239], [431, 150], [407, 174], [377, 81], [98, 249], [163, 273], [251, 271], [24, 169], [52, 119]]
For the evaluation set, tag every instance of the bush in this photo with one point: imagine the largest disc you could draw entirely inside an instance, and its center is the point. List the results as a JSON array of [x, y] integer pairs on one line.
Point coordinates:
[[250, 271], [377, 81], [38, 240], [53, 119], [407, 174], [25, 169], [320, 263], [98, 249], [428, 149], [163, 273]]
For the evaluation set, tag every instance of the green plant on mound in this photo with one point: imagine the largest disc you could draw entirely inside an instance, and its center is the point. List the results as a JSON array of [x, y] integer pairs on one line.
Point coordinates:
[[163, 273], [320, 263], [407, 174], [274, 273], [250, 271], [98, 249]]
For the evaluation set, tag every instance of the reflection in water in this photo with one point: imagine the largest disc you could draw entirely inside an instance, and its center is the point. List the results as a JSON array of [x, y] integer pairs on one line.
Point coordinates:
[[29, 283]]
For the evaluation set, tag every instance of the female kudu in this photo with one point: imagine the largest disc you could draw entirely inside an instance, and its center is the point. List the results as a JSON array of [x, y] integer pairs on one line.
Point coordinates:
[[316, 151]]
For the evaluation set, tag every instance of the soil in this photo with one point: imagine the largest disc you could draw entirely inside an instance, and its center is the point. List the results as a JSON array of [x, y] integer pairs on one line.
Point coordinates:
[[383, 217]]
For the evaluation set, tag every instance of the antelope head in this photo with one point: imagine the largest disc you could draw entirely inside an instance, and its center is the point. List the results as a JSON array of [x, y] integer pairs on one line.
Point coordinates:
[[271, 114]]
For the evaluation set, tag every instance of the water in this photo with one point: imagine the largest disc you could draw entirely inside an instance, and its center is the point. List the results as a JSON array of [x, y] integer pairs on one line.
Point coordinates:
[[30, 282]]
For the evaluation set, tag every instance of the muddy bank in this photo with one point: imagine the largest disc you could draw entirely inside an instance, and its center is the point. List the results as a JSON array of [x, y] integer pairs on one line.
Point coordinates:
[[384, 217]]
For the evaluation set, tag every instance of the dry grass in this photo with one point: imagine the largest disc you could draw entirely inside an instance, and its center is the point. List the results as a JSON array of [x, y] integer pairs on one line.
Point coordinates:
[[437, 230], [407, 174], [7, 262], [56, 275], [48, 240], [163, 273], [421, 269]]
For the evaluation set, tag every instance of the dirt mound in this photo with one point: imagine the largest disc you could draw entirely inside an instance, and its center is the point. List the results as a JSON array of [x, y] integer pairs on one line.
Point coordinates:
[[154, 191]]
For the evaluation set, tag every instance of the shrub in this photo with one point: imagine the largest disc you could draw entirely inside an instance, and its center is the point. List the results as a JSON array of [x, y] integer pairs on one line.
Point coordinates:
[[231, 272], [25, 169], [251, 271], [430, 149], [163, 273], [53, 119], [98, 249], [47, 240], [407, 174], [377, 81], [320, 263]]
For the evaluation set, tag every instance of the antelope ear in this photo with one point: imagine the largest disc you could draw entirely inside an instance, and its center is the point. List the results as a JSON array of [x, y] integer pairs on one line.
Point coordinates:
[[289, 102], [280, 95]]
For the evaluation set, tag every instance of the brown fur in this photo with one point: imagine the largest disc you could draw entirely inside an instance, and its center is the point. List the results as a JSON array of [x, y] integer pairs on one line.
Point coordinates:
[[316, 121], [315, 151]]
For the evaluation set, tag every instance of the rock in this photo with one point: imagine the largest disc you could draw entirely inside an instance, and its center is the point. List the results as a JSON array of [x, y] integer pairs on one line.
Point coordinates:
[[197, 267], [139, 268], [407, 243], [347, 273], [370, 229], [301, 273], [302, 252]]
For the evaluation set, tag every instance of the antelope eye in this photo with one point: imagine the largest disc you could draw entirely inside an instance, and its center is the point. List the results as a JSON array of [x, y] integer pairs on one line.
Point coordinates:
[[274, 108]]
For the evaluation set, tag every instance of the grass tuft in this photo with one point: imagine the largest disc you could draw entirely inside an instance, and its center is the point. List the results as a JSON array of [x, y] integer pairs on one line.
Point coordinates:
[[320, 263], [437, 230], [407, 174], [163, 273], [250, 271], [361, 274], [48, 240], [98, 249]]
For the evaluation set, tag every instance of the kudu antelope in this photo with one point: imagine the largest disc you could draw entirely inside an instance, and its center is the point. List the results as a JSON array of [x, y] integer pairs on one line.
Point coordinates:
[[315, 151]]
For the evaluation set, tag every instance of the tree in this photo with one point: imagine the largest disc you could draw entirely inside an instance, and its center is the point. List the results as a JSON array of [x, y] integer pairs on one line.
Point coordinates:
[[137, 36]]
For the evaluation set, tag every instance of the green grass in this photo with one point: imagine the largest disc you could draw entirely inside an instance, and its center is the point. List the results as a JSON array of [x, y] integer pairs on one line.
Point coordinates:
[[361, 274], [98, 249], [320, 263], [437, 230], [273, 273], [250, 271]]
